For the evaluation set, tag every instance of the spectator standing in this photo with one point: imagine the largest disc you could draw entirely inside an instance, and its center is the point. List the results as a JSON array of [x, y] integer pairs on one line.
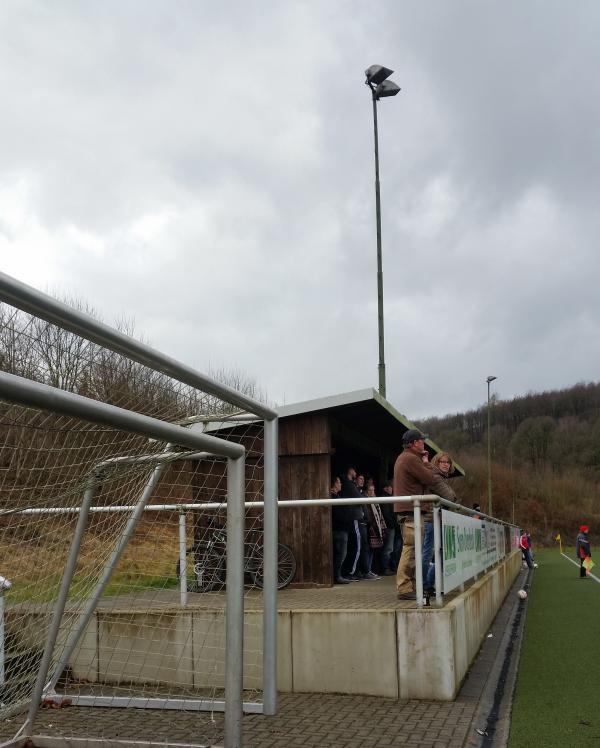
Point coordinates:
[[583, 550], [525, 546], [356, 558], [441, 468], [389, 554], [376, 531], [363, 570], [342, 518], [411, 477]]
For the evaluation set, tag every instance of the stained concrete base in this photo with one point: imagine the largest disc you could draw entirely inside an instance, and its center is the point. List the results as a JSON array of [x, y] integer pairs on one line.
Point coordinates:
[[357, 640], [406, 653]]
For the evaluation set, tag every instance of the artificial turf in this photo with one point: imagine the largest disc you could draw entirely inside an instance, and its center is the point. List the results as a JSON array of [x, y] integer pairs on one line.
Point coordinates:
[[557, 694]]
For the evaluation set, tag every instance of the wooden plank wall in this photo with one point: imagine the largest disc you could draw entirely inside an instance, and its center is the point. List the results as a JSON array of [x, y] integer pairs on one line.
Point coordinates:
[[304, 473]]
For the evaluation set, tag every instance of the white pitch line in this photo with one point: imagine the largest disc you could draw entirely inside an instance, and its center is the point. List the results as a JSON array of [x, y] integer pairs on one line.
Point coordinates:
[[593, 576]]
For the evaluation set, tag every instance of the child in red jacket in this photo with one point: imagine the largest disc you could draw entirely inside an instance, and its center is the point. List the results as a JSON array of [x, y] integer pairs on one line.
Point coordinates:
[[583, 550]]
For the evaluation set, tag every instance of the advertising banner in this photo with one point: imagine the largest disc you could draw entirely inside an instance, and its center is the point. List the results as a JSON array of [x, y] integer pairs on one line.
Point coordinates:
[[515, 534], [469, 547]]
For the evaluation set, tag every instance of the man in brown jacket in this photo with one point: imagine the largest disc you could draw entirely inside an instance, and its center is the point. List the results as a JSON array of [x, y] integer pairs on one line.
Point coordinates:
[[412, 477]]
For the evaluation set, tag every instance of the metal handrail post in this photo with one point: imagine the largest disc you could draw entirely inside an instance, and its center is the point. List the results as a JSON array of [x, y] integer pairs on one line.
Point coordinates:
[[182, 559], [270, 564], [418, 552], [234, 625], [61, 601], [437, 542]]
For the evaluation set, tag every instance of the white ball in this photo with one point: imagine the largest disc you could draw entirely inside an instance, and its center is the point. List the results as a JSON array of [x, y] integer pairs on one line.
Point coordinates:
[[522, 594], [535, 566]]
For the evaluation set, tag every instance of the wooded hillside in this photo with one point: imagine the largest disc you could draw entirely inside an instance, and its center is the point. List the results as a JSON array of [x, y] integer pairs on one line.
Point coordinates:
[[545, 458]]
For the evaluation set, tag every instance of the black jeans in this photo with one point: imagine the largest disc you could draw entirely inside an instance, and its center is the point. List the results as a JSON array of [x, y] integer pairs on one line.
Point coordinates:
[[527, 557], [340, 548]]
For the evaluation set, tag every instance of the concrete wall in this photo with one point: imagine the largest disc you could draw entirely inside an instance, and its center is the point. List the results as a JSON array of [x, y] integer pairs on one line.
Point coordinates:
[[405, 653], [183, 649]]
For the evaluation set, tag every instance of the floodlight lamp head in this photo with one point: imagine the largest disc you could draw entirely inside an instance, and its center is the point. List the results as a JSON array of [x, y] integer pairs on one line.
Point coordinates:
[[490, 379], [387, 88], [376, 74]]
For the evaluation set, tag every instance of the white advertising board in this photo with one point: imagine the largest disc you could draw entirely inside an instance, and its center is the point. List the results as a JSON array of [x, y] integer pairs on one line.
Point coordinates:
[[515, 534], [469, 547]]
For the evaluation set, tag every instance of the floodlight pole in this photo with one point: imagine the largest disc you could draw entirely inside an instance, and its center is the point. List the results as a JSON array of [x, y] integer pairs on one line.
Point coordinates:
[[377, 81], [489, 380], [381, 366]]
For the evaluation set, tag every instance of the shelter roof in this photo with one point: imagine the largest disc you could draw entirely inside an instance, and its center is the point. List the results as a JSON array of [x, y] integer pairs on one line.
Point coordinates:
[[366, 410], [361, 410]]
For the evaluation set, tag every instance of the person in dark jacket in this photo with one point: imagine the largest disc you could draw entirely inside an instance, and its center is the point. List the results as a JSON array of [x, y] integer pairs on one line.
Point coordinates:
[[390, 553], [357, 561], [583, 550], [341, 523]]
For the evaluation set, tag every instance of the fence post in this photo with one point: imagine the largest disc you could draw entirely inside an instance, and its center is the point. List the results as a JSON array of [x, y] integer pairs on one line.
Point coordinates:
[[437, 542], [182, 559], [4, 585], [418, 552], [270, 563], [234, 625]]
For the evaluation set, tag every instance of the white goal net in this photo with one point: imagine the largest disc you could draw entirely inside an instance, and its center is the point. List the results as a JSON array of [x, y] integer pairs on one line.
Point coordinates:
[[144, 620]]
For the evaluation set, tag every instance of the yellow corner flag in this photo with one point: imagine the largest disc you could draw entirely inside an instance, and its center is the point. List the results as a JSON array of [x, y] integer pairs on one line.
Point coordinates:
[[559, 541]]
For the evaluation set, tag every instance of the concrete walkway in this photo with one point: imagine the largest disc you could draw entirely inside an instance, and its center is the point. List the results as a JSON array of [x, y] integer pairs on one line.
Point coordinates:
[[307, 720]]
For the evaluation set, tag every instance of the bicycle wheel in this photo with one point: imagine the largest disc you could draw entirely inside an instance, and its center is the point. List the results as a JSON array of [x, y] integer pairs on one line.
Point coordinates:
[[286, 568], [209, 573]]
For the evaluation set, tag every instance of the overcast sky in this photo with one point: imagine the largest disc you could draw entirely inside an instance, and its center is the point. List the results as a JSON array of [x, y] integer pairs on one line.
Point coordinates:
[[207, 170]]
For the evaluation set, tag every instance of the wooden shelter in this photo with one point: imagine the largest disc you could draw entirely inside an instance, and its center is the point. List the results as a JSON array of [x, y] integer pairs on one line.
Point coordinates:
[[319, 439]]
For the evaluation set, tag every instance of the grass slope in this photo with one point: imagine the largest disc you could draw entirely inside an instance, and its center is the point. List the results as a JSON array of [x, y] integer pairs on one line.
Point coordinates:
[[557, 696]]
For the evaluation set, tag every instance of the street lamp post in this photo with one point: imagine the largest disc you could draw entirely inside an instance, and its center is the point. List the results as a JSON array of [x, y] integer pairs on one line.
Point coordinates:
[[489, 380], [377, 76]]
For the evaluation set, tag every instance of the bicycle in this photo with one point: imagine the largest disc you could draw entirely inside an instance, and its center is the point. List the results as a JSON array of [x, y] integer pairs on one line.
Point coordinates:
[[210, 566]]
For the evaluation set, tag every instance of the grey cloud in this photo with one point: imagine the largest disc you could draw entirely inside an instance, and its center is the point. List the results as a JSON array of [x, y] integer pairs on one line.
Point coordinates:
[[210, 173]]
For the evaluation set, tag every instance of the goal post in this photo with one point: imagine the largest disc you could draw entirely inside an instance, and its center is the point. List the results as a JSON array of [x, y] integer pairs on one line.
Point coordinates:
[[54, 358]]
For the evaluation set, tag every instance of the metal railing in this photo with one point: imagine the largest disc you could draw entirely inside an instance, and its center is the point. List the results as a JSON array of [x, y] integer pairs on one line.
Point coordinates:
[[409, 501]]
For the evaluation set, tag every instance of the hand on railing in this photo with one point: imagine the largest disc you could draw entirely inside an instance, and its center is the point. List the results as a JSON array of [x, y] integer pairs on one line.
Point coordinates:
[[5, 584]]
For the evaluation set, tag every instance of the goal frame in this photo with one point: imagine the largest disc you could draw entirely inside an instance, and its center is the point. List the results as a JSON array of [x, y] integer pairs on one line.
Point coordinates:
[[33, 394]]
